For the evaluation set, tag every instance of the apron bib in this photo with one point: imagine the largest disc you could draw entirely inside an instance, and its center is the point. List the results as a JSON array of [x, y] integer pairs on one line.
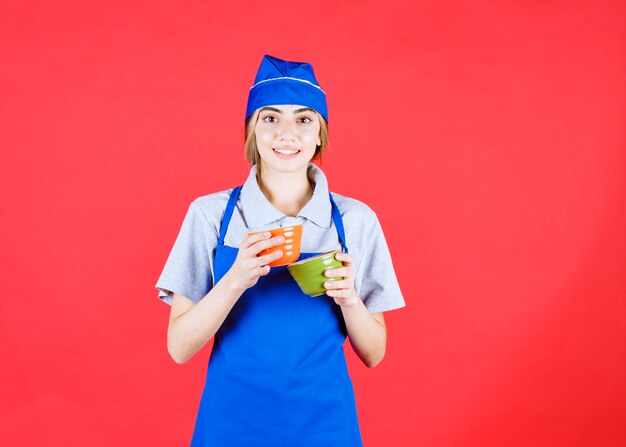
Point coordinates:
[[277, 375]]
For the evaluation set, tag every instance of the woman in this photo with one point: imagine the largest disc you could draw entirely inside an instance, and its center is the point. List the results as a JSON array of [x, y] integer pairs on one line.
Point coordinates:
[[277, 374]]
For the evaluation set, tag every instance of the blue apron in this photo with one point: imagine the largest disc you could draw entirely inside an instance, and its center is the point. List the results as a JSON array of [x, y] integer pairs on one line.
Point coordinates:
[[277, 375]]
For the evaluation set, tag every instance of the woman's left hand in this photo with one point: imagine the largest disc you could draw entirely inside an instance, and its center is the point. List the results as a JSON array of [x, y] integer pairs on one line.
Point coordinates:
[[342, 291]]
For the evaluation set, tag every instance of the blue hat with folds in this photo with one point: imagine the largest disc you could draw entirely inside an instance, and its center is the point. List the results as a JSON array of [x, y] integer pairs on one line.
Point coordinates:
[[285, 82]]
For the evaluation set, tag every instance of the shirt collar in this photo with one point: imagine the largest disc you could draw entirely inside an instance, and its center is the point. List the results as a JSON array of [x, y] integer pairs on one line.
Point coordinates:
[[258, 211]]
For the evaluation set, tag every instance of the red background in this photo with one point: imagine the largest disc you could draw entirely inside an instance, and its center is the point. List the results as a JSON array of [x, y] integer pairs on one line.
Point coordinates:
[[488, 137]]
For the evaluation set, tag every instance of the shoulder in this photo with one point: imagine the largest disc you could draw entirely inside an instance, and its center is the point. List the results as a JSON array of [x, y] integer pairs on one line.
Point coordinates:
[[354, 210], [210, 207], [213, 203]]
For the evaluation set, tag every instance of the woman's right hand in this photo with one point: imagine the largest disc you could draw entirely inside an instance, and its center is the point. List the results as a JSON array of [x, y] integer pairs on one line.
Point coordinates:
[[248, 267]]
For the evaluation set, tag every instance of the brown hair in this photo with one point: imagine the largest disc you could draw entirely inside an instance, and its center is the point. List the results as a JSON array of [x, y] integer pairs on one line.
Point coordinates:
[[251, 151]]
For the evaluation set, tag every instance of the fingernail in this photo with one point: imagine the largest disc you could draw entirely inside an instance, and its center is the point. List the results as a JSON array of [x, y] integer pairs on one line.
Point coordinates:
[[327, 284], [267, 233]]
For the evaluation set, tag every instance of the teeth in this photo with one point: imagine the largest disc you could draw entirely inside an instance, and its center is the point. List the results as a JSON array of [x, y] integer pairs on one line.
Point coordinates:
[[284, 152]]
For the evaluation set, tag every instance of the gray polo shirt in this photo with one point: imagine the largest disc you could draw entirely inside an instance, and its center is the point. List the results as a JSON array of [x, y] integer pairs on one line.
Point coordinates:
[[188, 270]]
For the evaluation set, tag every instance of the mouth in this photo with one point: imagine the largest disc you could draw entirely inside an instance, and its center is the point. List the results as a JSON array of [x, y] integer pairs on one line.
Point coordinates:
[[286, 152]]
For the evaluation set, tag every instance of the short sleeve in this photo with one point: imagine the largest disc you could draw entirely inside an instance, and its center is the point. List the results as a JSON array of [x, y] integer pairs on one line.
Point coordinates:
[[188, 269], [375, 279]]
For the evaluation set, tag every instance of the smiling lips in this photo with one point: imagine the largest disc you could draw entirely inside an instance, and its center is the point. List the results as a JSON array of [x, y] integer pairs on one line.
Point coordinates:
[[286, 152]]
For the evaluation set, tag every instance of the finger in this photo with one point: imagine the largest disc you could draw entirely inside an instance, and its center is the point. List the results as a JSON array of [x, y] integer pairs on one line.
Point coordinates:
[[264, 270], [254, 238], [342, 284], [342, 272], [339, 293], [345, 258], [269, 243], [266, 259]]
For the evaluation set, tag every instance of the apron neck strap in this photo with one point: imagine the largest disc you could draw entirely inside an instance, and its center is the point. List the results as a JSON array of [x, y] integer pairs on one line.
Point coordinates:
[[228, 213], [232, 201], [338, 223]]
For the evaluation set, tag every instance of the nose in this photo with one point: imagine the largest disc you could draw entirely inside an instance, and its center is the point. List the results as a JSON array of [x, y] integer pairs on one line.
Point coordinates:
[[286, 130]]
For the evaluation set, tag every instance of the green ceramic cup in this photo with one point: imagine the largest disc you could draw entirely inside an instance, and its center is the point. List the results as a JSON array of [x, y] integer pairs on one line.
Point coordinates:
[[309, 273]]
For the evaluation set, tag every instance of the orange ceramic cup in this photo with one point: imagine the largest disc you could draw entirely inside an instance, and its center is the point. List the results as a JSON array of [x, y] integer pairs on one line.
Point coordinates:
[[290, 248]]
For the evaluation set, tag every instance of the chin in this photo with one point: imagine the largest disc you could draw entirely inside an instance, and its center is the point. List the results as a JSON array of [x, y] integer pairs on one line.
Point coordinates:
[[286, 168]]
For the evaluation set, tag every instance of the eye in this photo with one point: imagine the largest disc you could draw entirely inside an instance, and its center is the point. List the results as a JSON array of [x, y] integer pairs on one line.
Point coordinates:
[[269, 119], [305, 119]]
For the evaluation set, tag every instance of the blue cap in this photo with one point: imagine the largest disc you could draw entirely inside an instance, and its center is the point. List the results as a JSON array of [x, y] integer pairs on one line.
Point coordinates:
[[285, 82]]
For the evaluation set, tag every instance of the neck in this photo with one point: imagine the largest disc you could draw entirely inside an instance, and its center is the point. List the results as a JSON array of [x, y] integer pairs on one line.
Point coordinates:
[[288, 192]]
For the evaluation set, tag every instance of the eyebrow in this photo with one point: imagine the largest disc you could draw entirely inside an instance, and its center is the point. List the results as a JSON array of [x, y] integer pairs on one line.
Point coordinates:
[[274, 109]]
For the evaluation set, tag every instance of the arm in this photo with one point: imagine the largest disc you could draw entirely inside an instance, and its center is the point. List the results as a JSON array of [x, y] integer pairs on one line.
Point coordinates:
[[192, 325], [367, 331]]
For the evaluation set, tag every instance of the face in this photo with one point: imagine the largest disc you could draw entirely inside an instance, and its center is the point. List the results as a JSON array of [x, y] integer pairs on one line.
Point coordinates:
[[286, 137]]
